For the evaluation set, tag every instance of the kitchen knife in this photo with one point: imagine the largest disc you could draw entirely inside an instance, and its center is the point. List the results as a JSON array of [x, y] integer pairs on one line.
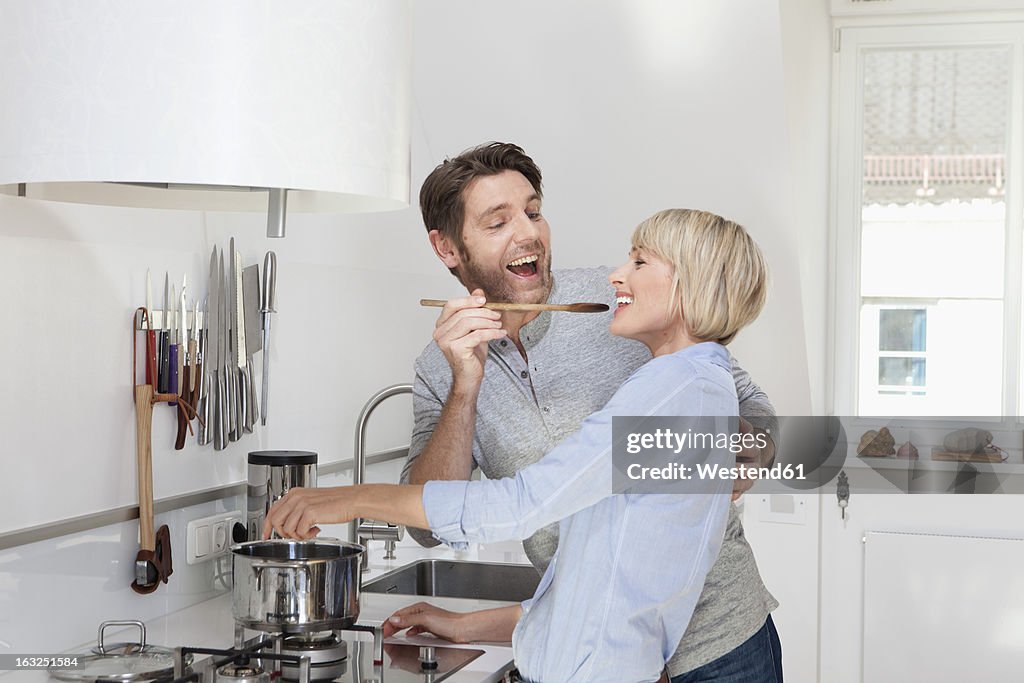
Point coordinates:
[[253, 342], [150, 334], [184, 374], [215, 401], [165, 340], [245, 421], [182, 335], [203, 360], [172, 368], [226, 396], [231, 376], [182, 341], [202, 433], [193, 361], [267, 307]]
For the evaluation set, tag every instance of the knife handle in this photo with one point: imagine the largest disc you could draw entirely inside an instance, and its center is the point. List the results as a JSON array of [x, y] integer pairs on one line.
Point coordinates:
[[165, 358], [216, 411], [191, 398], [246, 385], [193, 381], [183, 388], [150, 357], [231, 407], [254, 399], [183, 417], [203, 405], [172, 372], [243, 403], [223, 408]]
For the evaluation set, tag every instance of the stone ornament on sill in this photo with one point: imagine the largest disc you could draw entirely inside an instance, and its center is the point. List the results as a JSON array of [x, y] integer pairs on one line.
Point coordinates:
[[877, 444]]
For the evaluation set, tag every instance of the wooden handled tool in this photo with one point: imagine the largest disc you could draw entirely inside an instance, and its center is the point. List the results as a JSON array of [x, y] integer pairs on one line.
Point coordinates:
[[569, 308], [153, 561]]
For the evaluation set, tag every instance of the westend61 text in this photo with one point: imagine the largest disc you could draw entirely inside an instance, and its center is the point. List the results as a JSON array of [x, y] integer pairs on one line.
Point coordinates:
[[666, 439], [706, 471]]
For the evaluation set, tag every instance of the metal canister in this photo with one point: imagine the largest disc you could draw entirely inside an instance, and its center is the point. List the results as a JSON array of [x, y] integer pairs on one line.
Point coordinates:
[[271, 475]]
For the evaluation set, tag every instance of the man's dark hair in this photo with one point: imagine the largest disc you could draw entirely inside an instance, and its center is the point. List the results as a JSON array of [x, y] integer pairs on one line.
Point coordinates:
[[441, 197]]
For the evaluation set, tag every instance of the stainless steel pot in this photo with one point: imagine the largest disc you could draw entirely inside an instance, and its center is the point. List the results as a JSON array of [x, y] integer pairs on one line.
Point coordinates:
[[296, 586]]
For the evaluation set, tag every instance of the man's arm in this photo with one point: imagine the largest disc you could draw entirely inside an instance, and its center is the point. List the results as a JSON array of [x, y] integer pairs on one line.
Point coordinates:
[[448, 435], [757, 416], [441, 447]]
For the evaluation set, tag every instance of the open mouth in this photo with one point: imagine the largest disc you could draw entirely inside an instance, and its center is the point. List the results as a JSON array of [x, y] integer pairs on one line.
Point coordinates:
[[621, 301], [525, 266]]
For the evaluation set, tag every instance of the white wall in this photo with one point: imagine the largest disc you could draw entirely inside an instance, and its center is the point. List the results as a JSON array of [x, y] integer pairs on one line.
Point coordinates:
[[647, 105], [629, 107], [783, 530]]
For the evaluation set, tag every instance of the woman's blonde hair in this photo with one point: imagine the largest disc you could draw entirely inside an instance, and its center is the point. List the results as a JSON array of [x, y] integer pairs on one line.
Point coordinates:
[[720, 278]]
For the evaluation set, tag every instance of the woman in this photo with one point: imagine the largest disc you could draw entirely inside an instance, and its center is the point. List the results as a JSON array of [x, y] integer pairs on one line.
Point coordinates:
[[609, 607]]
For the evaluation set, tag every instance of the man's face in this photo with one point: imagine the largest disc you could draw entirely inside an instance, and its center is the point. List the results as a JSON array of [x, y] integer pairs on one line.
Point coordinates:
[[507, 242]]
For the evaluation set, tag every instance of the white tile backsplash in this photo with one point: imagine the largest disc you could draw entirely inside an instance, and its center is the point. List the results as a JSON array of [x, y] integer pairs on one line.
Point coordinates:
[[55, 593]]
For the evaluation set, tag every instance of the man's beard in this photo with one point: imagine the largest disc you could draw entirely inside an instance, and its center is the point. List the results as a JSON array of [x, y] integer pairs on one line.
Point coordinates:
[[498, 288]]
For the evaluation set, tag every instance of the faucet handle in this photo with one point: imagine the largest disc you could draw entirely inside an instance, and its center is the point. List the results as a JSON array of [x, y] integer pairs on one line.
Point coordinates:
[[372, 530]]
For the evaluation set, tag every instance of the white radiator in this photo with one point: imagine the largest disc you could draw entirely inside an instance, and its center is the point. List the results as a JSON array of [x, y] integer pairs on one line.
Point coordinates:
[[943, 608]]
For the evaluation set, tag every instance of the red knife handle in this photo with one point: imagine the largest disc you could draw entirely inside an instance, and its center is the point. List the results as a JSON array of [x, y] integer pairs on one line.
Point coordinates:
[[172, 372]]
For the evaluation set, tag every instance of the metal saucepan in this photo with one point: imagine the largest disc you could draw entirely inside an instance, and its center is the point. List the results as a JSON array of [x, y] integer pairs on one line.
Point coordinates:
[[296, 586]]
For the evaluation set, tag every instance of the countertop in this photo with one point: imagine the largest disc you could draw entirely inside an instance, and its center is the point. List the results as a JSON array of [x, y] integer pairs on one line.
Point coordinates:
[[209, 623]]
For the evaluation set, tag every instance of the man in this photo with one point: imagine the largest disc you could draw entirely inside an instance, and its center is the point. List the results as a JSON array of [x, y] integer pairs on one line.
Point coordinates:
[[499, 390]]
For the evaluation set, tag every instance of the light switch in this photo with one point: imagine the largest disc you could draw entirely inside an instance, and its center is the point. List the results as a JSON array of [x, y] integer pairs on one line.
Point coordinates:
[[782, 508], [203, 546], [209, 537]]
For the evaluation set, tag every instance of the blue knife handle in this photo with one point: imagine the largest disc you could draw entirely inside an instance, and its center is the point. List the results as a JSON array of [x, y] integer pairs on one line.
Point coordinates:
[[172, 383]]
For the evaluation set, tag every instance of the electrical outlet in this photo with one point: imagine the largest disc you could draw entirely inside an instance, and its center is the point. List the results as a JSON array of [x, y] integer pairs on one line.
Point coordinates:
[[210, 537]]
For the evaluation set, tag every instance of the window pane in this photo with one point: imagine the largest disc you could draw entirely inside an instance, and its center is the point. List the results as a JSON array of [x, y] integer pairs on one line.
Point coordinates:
[[901, 372], [935, 123], [962, 363], [933, 229], [901, 330]]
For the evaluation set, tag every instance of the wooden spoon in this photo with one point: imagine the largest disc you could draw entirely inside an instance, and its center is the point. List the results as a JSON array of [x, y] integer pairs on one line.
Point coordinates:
[[570, 308]]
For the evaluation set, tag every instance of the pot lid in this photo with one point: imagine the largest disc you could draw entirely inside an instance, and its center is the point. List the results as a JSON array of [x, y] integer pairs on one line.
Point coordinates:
[[149, 663]]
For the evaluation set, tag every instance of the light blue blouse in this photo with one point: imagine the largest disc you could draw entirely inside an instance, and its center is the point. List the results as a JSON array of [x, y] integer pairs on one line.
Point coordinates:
[[616, 600]]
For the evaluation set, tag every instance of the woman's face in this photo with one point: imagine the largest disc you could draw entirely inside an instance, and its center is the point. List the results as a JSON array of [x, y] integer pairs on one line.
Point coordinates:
[[644, 309]]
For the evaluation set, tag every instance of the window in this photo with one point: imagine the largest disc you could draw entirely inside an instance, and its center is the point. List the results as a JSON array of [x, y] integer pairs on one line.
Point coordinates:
[[928, 124], [902, 364]]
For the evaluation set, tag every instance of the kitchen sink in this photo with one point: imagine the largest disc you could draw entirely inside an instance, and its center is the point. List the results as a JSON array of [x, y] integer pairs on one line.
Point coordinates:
[[459, 579]]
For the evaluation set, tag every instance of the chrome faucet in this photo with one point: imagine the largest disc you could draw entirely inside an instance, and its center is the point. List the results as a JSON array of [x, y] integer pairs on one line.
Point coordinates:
[[364, 530]]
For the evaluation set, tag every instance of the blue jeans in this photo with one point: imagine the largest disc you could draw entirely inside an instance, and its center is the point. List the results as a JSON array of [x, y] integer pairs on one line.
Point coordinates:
[[758, 660]]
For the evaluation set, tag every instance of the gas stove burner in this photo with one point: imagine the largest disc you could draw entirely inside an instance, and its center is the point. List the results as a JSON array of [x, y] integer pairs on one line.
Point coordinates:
[[242, 671], [320, 640], [326, 651]]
